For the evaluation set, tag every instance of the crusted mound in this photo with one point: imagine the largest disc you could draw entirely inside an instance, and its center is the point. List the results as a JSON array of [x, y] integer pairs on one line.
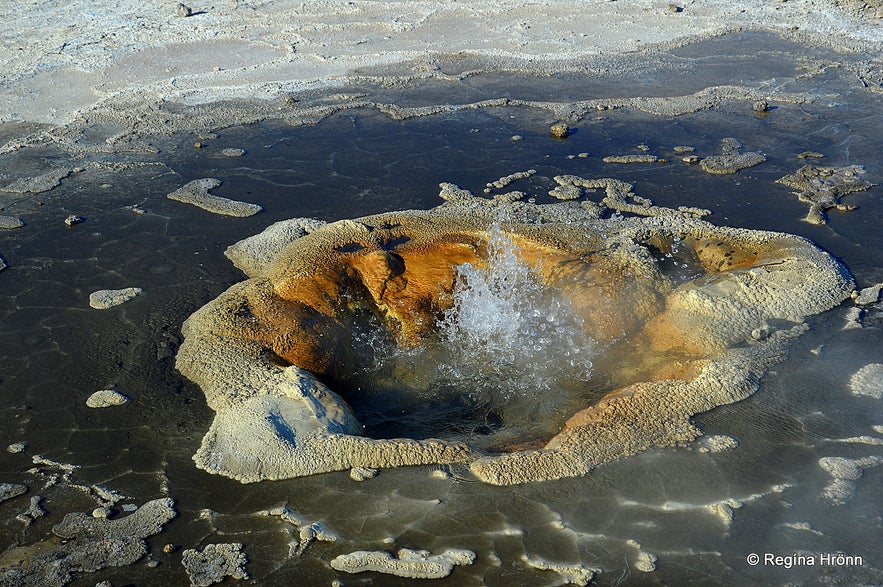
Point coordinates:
[[693, 342]]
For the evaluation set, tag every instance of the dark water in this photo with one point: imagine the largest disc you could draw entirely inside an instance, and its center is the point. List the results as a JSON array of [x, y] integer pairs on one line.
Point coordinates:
[[56, 351]]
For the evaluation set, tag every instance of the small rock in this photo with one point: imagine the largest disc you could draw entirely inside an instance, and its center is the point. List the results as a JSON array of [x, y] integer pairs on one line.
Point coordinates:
[[197, 145], [731, 159], [674, 8], [684, 149], [761, 106], [517, 137], [36, 510], [560, 130], [362, 473], [108, 298], [197, 193], [17, 447], [10, 222], [691, 159], [803, 527], [74, 219], [566, 192], [232, 152], [717, 443], [10, 490], [633, 159], [184, 10], [854, 318], [36, 185], [577, 574], [451, 192], [105, 398], [101, 513], [646, 562], [413, 564], [214, 563], [868, 381], [761, 333], [869, 295], [810, 155], [844, 476], [169, 548]]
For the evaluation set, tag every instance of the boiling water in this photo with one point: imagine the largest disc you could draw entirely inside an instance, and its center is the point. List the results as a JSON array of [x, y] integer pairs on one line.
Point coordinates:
[[511, 353], [506, 324]]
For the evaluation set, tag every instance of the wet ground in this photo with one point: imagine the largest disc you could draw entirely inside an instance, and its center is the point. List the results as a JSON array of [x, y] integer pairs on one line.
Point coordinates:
[[56, 350]]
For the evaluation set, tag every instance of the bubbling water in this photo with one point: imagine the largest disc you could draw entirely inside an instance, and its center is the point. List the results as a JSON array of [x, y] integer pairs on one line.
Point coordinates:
[[508, 363], [508, 329]]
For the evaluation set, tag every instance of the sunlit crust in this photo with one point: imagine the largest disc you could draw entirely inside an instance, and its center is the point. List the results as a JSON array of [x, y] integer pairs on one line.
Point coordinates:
[[673, 349]]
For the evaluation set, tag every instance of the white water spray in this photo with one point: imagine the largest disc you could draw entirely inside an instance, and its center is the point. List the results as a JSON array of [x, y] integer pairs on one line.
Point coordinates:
[[507, 326], [510, 359]]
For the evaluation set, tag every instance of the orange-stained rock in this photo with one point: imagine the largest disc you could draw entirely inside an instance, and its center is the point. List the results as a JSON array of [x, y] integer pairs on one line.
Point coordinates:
[[405, 282], [721, 255]]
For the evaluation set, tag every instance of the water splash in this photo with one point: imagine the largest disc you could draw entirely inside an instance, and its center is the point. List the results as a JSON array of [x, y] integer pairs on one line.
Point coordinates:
[[510, 360], [509, 331]]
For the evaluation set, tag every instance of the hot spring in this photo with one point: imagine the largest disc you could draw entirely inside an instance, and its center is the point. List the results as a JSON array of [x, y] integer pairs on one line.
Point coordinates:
[[506, 363], [446, 335]]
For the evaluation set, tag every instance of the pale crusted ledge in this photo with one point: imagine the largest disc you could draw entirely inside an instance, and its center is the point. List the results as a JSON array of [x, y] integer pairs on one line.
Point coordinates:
[[701, 341]]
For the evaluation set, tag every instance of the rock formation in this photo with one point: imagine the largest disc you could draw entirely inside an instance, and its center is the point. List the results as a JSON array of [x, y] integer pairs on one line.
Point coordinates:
[[678, 341]]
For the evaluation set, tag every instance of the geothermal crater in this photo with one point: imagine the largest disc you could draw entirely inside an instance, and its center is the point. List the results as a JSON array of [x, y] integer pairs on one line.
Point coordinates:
[[535, 341]]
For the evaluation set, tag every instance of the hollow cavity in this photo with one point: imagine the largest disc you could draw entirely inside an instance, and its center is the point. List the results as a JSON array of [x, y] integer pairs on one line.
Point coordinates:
[[506, 363]]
